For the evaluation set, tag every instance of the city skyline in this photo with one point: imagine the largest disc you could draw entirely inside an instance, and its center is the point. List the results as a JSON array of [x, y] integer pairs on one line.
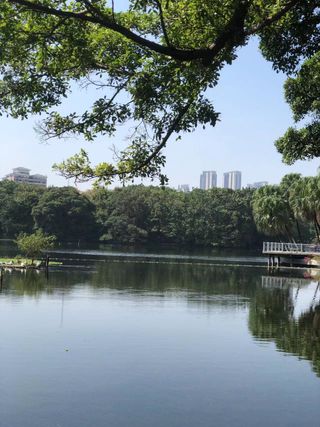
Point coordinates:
[[209, 178]]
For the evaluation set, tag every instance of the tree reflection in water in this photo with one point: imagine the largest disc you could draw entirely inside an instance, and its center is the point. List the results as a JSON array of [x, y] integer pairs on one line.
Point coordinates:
[[272, 317], [271, 301]]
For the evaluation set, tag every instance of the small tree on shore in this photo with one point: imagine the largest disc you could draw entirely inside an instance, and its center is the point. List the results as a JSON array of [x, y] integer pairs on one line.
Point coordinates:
[[33, 244]]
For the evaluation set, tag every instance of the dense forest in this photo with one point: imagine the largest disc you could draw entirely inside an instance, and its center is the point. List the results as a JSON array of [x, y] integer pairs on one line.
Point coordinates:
[[133, 214], [140, 214]]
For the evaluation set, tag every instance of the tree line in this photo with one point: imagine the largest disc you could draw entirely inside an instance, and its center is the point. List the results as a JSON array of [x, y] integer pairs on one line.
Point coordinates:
[[218, 217], [128, 215]]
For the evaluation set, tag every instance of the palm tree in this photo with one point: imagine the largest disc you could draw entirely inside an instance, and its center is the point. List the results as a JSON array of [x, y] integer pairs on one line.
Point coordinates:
[[305, 201], [287, 186], [272, 213]]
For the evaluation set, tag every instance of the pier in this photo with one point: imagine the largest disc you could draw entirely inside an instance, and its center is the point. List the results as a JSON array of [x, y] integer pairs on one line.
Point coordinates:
[[292, 254]]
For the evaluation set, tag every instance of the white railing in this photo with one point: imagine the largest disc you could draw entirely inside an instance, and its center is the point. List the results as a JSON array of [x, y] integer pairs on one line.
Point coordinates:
[[276, 281], [279, 247]]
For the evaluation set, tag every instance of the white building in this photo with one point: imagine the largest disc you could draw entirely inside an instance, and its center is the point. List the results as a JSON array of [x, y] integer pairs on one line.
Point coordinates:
[[257, 184], [22, 176], [232, 180], [184, 188], [208, 179]]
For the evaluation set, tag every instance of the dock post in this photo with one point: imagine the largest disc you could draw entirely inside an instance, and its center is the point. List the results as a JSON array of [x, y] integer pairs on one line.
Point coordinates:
[[1, 278], [278, 261], [47, 266]]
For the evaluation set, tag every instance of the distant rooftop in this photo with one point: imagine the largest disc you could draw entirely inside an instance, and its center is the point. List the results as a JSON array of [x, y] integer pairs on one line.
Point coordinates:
[[22, 175], [21, 169]]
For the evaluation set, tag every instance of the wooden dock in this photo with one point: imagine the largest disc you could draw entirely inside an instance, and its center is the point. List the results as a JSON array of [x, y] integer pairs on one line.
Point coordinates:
[[292, 254]]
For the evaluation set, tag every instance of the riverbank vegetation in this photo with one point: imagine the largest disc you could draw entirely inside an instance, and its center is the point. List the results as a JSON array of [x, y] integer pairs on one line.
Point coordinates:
[[134, 214], [145, 214]]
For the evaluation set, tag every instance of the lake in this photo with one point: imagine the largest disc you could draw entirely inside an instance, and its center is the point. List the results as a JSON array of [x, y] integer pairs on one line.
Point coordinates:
[[161, 341]]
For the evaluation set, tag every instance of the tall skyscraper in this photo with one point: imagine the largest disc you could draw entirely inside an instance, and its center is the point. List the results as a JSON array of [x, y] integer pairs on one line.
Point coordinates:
[[232, 180], [208, 179]]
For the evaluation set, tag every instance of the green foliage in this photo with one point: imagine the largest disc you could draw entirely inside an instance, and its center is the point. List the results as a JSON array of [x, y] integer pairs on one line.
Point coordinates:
[[139, 214], [272, 212], [216, 217], [32, 245], [297, 39], [285, 210], [294, 38], [65, 213], [303, 95], [154, 62], [271, 318], [17, 201]]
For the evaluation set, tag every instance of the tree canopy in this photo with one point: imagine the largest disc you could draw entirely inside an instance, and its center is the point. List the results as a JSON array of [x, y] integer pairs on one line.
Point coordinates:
[[65, 213], [153, 61], [131, 215], [288, 209]]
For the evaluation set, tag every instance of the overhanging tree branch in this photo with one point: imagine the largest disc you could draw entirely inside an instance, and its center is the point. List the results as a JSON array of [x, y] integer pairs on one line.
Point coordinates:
[[274, 18], [82, 171], [170, 131], [234, 32], [77, 126], [179, 54], [167, 51], [163, 25]]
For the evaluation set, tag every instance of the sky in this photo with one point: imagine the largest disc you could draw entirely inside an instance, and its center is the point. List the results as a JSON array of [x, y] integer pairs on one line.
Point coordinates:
[[253, 111]]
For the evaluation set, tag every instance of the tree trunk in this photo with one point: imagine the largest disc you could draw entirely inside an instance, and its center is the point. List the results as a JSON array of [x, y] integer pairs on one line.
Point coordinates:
[[298, 230], [288, 234], [316, 226]]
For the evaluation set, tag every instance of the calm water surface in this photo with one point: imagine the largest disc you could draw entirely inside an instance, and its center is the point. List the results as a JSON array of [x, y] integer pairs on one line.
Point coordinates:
[[134, 344]]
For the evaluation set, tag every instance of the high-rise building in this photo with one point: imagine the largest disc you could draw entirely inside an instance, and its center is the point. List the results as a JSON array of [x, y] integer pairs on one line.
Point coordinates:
[[257, 184], [232, 180], [184, 188], [22, 175], [208, 179]]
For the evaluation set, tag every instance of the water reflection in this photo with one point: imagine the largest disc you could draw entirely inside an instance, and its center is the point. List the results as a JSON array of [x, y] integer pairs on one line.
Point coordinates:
[[281, 309], [286, 311], [35, 283]]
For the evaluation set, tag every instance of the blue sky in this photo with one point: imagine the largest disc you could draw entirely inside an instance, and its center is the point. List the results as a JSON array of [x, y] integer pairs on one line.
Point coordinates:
[[250, 99]]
